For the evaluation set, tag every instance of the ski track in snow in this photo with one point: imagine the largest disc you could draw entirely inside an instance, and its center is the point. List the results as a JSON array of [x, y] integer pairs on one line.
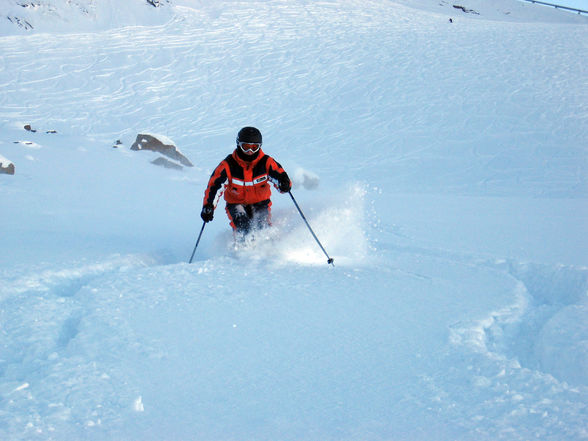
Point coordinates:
[[42, 313], [519, 361], [87, 347], [109, 309]]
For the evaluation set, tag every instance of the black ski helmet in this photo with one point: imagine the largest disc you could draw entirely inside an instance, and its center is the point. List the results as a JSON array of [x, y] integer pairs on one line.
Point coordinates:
[[249, 134]]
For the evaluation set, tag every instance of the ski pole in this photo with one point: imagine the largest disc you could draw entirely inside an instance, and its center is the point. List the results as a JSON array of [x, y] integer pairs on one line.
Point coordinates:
[[329, 259], [197, 242]]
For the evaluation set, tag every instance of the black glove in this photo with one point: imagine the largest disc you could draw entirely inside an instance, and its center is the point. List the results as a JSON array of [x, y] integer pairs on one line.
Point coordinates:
[[207, 213], [284, 184]]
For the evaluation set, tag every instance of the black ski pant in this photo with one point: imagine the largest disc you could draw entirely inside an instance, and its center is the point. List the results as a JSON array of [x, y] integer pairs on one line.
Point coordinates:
[[247, 217]]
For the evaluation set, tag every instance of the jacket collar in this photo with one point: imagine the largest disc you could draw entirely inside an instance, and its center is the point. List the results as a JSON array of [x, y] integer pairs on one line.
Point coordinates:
[[245, 163]]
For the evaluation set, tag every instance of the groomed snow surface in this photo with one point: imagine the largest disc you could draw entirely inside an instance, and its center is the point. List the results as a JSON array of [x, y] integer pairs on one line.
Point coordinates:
[[442, 164]]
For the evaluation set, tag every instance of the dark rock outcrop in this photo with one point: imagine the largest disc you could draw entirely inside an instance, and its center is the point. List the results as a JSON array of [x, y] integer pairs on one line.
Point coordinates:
[[153, 143], [466, 10], [6, 167]]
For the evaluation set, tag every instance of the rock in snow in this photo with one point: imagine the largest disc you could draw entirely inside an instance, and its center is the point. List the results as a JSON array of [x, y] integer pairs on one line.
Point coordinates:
[[6, 166], [163, 145]]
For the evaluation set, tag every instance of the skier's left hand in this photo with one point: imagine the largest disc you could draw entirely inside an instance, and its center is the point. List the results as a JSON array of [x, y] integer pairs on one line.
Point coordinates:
[[284, 184]]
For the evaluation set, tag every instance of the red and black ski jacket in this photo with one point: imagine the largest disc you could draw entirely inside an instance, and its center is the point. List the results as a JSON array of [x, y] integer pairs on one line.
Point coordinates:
[[243, 182]]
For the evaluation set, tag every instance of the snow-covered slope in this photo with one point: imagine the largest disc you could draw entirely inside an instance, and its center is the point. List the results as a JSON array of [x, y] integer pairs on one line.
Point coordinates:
[[73, 16], [445, 166]]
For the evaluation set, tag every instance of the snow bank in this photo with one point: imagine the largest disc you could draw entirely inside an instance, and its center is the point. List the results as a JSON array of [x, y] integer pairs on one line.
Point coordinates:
[[553, 337]]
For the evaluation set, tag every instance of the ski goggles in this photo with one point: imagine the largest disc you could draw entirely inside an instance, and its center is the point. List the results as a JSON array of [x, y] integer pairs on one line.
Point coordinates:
[[250, 147]]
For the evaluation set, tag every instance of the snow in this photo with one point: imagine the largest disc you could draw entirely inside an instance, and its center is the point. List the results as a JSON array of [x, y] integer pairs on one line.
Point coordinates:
[[443, 165]]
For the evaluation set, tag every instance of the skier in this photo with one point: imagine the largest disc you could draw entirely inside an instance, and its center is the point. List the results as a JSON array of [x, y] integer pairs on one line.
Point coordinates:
[[243, 177]]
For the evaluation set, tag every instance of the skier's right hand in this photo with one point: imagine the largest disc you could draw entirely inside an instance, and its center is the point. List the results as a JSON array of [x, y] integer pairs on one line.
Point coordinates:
[[207, 213]]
